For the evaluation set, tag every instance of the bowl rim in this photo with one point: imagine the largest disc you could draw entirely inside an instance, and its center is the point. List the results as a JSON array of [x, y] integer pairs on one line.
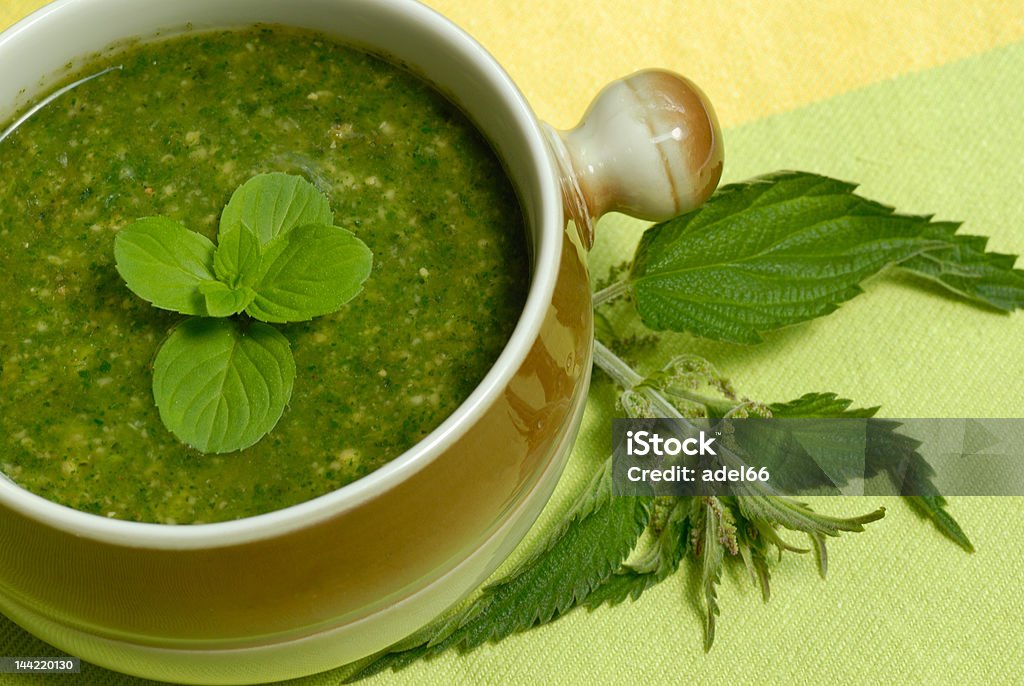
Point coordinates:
[[547, 248]]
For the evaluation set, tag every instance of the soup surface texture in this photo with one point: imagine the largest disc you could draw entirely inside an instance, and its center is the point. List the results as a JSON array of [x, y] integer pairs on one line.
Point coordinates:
[[185, 122]]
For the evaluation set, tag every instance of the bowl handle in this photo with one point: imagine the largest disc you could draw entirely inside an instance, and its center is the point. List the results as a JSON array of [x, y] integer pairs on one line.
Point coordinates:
[[649, 146]]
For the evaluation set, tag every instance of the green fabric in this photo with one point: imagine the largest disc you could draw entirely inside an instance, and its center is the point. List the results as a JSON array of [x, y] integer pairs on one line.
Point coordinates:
[[902, 604]]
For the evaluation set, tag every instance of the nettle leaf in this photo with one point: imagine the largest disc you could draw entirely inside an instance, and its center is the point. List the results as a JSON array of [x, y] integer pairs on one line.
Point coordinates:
[[223, 300], [652, 564], [271, 204], [238, 257], [164, 263], [309, 271], [965, 268], [221, 386], [797, 516], [710, 551], [593, 541], [821, 405], [897, 455], [889, 451], [787, 248], [933, 507]]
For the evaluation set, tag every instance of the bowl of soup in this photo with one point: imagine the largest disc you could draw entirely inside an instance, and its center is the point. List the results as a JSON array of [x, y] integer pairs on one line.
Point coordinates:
[[432, 414]]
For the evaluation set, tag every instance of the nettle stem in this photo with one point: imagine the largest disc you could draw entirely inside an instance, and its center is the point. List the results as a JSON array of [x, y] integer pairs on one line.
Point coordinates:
[[626, 377], [606, 295], [615, 367]]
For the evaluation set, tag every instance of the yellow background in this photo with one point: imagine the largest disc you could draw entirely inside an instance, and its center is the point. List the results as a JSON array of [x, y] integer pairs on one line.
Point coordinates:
[[917, 100]]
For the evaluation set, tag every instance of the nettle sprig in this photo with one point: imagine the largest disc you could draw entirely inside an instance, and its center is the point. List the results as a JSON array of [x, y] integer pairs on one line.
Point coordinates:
[[761, 255], [223, 378]]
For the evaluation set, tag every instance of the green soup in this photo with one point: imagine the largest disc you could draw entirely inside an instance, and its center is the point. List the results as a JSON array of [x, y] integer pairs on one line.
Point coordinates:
[[173, 133]]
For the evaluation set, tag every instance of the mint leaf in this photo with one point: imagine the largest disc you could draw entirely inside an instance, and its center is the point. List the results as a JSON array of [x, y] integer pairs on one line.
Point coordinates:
[[238, 257], [223, 300], [221, 387], [774, 251], [309, 271], [277, 237], [271, 204], [965, 268], [164, 263]]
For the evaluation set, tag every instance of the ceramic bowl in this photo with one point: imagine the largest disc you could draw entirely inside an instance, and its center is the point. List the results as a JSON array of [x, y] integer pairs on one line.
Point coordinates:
[[318, 584]]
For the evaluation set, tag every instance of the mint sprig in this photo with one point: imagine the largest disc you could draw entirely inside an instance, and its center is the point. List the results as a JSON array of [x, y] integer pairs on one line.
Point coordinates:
[[221, 385], [223, 300]]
